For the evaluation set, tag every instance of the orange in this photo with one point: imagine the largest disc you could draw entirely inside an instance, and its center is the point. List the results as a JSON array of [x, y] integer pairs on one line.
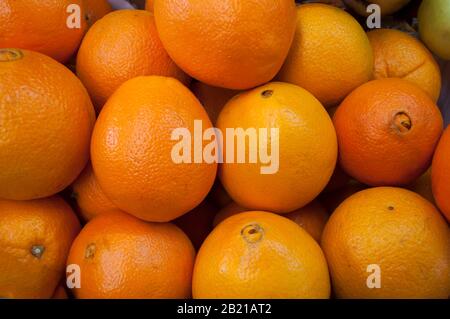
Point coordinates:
[[149, 5], [212, 98], [94, 10], [400, 55], [122, 45], [311, 218], [303, 156], [393, 233], [387, 6], [440, 174], [387, 131], [121, 256], [89, 197], [41, 25], [35, 237], [330, 55], [225, 44], [46, 119], [423, 186], [197, 224], [132, 149], [260, 255]]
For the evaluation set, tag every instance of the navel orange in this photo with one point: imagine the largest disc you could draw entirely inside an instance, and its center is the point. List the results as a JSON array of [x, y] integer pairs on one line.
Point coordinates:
[[260, 255], [387, 131], [35, 237], [121, 256], [132, 149], [224, 43], [388, 243], [46, 119]]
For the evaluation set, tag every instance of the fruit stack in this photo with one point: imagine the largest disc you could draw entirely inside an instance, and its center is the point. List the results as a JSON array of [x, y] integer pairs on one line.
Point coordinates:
[[224, 149]]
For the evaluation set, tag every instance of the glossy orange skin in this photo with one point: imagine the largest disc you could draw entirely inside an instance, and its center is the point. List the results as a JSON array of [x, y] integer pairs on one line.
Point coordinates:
[[131, 150], [400, 55], [121, 256], [122, 45], [330, 55], [440, 174], [46, 124], [40, 25], [212, 98], [307, 148], [227, 43], [49, 224], [90, 198], [198, 223], [397, 230], [260, 255], [374, 147]]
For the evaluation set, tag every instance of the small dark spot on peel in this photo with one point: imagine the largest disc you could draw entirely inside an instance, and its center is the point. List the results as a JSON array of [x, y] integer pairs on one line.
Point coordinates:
[[267, 93]]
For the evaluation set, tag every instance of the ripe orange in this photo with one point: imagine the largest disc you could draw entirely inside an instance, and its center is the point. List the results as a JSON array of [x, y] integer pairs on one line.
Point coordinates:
[[260, 255], [121, 256], [197, 224], [35, 237], [89, 197], [387, 6], [225, 44], [307, 148], [440, 174], [122, 45], [132, 149], [423, 186], [330, 54], [396, 231], [212, 98], [400, 55], [41, 25], [46, 122], [149, 5], [387, 131], [311, 218], [94, 10]]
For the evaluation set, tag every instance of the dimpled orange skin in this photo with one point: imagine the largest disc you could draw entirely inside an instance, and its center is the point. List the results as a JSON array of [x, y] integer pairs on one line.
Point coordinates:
[[132, 149], [307, 148], [46, 119], [400, 55], [41, 25], [397, 230], [387, 131], [46, 227], [227, 43], [90, 198], [440, 174], [121, 256], [260, 255], [122, 45], [330, 55], [212, 98]]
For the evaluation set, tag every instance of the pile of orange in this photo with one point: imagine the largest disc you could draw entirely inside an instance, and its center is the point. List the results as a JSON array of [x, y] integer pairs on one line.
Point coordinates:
[[205, 149]]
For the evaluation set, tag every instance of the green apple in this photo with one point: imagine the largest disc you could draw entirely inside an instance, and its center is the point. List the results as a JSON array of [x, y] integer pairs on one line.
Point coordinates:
[[434, 26]]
